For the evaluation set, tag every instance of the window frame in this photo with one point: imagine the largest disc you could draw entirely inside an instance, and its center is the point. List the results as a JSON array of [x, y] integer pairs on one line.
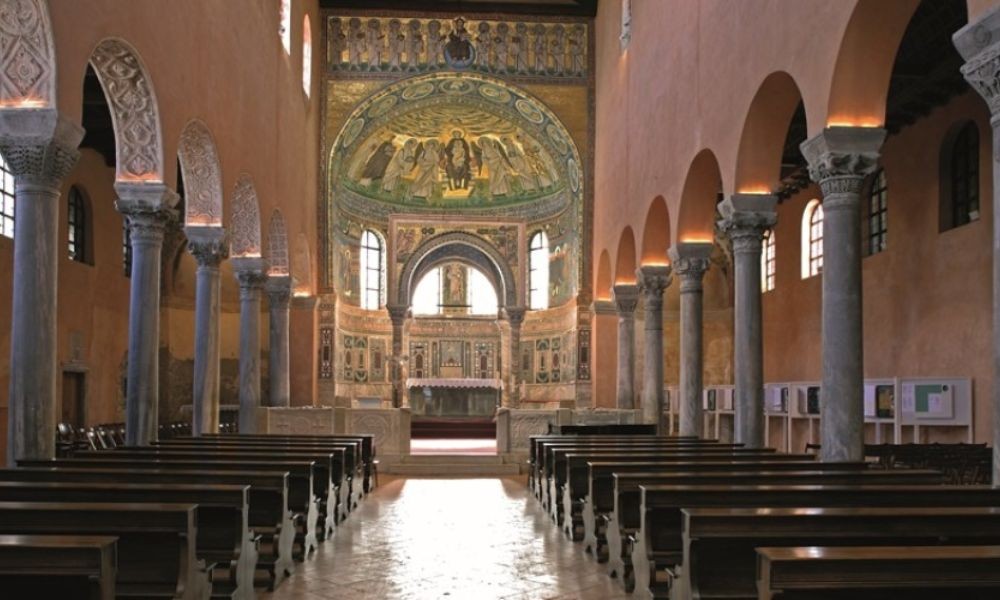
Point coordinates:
[[365, 272], [285, 25], [963, 176], [307, 56], [7, 195], [538, 298], [812, 239], [78, 225], [126, 248], [877, 211], [768, 262]]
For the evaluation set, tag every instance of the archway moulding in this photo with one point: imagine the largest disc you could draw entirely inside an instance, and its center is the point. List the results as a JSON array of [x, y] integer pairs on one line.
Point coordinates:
[[28, 73], [202, 173]]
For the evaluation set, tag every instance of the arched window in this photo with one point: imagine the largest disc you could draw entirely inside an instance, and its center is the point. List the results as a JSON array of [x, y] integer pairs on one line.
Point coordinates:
[[307, 56], [876, 215], [6, 200], [812, 239], [538, 272], [427, 295], [482, 298], [372, 270], [126, 248], [767, 262], [78, 230], [285, 26], [960, 177]]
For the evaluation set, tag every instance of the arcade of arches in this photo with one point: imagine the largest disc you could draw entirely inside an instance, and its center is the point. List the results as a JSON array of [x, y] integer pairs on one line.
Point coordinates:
[[770, 223]]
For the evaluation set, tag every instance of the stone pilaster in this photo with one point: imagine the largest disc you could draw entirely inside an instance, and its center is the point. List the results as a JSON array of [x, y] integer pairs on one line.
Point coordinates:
[[251, 275], [625, 298], [209, 246], [515, 317], [40, 148], [398, 315], [745, 219], [279, 293], [690, 262], [979, 45], [653, 280], [839, 160], [148, 209]]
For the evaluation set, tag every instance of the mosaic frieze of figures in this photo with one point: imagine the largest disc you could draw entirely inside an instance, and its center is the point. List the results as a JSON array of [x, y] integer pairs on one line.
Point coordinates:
[[420, 45], [453, 358]]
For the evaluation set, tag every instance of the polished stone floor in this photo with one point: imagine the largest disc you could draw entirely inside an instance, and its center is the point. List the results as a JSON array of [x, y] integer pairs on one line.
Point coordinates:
[[453, 539]]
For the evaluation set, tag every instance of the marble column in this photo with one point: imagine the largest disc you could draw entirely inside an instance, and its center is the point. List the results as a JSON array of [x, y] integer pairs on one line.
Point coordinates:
[[148, 209], [209, 246], [251, 275], [653, 280], [397, 314], [839, 160], [745, 219], [515, 317], [40, 148], [690, 260], [625, 298], [979, 45], [279, 293]]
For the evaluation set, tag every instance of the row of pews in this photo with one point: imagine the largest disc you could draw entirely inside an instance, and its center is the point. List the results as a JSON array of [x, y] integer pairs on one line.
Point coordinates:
[[687, 518], [215, 516]]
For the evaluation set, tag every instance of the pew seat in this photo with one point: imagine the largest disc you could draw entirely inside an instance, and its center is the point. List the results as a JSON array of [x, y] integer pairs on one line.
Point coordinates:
[[58, 566]]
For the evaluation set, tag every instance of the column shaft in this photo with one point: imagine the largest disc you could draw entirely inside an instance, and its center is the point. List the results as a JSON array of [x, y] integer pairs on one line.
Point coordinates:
[[626, 297], [206, 351], [279, 374], [515, 317], [690, 261], [249, 358], [397, 314], [653, 280]]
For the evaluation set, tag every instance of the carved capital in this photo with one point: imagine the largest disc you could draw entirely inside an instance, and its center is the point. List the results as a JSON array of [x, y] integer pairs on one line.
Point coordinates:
[[690, 260], [397, 313], [841, 157], [626, 298], [208, 245], [746, 230], [279, 291], [603, 307], [979, 45], [148, 208], [653, 280], [515, 316], [39, 145], [251, 274]]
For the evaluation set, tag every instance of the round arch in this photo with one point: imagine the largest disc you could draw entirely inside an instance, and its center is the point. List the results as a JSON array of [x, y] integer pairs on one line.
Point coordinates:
[[656, 233], [765, 129], [602, 290], [625, 264], [699, 197], [202, 174], [460, 247], [28, 76]]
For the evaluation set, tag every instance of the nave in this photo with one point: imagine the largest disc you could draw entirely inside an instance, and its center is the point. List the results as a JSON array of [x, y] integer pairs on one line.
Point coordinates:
[[455, 539]]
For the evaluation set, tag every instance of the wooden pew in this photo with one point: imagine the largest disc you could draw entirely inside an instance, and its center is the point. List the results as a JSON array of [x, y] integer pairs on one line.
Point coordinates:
[[224, 540], [625, 517], [268, 515], [352, 467], [367, 440], [325, 484], [599, 503], [156, 542], [58, 566], [714, 537], [302, 502], [658, 545], [866, 573]]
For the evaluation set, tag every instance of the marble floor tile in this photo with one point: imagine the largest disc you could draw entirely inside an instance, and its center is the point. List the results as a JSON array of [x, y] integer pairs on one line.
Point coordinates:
[[449, 539]]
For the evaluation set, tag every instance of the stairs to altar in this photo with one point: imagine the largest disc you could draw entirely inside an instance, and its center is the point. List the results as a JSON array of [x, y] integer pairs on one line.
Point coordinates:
[[452, 465]]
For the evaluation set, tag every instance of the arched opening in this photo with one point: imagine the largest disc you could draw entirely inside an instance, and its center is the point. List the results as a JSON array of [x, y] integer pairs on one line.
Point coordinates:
[[307, 56], [285, 25], [602, 288], [372, 270], [455, 289], [959, 176], [538, 271], [79, 226], [656, 233], [812, 239], [625, 264], [701, 194]]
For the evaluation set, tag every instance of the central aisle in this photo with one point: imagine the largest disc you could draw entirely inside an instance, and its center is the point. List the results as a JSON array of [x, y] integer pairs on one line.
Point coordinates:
[[454, 539]]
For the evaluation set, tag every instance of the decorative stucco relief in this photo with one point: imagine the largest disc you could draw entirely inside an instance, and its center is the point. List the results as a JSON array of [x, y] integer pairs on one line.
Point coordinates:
[[277, 245], [27, 75], [202, 175], [245, 226]]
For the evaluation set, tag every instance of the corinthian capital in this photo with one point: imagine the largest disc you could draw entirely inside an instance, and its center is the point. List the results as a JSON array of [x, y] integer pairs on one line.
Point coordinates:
[[841, 157], [745, 218], [653, 280], [626, 297], [208, 244], [515, 315], [251, 273], [690, 260], [279, 290], [397, 313], [979, 45], [39, 144]]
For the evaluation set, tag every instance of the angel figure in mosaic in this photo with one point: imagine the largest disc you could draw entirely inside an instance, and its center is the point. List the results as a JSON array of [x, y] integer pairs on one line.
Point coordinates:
[[519, 49], [495, 159], [356, 42], [557, 50], [484, 46], [533, 153], [519, 162], [428, 160], [401, 164], [375, 44], [414, 46], [395, 39], [541, 48]]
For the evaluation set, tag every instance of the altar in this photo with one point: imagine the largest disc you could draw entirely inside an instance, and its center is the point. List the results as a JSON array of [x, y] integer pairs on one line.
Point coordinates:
[[454, 397]]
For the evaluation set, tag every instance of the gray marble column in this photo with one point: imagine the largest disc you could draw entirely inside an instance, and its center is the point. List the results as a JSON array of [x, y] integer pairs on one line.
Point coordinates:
[[625, 298], [653, 280], [251, 274], [690, 260], [397, 314], [745, 219], [148, 209], [839, 160], [515, 317], [40, 148], [209, 246], [979, 45], [279, 293]]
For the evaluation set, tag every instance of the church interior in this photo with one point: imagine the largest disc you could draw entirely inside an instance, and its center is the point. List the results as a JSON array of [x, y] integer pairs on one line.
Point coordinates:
[[500, 299]]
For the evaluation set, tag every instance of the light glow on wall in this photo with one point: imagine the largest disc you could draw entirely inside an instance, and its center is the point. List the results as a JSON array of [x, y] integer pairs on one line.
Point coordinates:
[[23, 103]]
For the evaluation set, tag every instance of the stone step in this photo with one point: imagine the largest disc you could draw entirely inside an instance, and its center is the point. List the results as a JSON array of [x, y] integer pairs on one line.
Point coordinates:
[[451, 470], [452, 459]]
